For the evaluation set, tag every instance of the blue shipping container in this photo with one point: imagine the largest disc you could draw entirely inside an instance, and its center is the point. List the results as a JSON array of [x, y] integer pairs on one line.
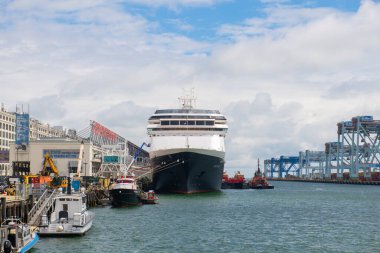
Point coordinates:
[[75, 185]]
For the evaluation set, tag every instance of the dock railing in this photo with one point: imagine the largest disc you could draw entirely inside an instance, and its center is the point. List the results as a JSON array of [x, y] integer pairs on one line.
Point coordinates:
[[38, 205], [42, 206]]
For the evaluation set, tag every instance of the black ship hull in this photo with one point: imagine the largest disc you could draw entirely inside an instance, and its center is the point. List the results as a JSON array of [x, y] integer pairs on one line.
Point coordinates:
[[124, 197], [187, 172]]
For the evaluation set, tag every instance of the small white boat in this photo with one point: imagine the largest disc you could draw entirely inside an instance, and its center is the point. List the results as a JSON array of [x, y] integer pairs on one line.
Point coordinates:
[[125, 191], [69, 216], [16, 236]]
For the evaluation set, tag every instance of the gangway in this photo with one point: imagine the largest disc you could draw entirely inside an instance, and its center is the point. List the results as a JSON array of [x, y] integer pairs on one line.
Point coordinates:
[[41, 207]]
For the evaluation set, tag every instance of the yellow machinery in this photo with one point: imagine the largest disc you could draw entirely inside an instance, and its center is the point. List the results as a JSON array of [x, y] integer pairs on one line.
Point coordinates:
[[105, 182], [49, 161], [57, 181], [29, 179]]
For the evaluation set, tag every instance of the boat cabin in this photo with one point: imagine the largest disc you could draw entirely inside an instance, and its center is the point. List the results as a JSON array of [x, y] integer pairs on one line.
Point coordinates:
[[68, 207], [14, 231], [125, 182]]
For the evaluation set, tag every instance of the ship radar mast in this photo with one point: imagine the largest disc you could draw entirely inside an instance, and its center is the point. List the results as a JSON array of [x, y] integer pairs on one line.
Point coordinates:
[[188, 100]]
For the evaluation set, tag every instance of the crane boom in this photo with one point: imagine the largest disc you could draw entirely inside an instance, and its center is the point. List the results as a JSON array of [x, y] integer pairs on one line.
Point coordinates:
[[135, 156], [48, 160]]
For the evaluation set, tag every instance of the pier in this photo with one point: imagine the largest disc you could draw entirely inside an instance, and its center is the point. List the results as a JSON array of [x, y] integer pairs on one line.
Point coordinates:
[[12, 206], [327, 181], [354, 158]]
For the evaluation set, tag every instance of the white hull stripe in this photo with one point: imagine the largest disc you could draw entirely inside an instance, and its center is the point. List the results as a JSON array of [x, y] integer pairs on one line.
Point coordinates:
[[164, 152]]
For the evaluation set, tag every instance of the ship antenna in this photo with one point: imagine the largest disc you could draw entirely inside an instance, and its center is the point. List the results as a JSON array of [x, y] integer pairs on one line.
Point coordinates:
[[258, 165], [188, 100]]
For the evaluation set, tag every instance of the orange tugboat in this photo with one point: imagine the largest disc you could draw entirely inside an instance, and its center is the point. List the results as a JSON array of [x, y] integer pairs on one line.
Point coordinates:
[[236, 182], [259, 181]]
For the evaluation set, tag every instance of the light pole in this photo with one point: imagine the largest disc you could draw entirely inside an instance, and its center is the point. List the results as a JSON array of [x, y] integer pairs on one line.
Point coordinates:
[[85, 175]]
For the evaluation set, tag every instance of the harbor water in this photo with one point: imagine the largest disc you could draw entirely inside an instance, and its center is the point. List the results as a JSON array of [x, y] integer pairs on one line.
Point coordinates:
[[294, 217]]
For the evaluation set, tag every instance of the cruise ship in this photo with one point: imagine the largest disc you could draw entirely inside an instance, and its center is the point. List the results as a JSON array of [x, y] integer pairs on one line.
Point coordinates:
[[187, 148]]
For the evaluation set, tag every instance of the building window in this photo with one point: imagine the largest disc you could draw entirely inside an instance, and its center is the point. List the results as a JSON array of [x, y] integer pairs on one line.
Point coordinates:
[[62, 153]]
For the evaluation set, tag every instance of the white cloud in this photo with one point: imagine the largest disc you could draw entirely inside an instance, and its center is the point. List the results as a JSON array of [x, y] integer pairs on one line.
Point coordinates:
[[50, 5], [174, 4], [283, 81]]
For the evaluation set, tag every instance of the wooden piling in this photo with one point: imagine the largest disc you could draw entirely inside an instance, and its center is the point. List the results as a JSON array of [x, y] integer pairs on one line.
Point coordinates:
[[22, 211], [3, 208]]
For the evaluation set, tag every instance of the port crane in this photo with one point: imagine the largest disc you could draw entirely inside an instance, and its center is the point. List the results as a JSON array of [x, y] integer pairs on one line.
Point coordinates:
[[125, 171]]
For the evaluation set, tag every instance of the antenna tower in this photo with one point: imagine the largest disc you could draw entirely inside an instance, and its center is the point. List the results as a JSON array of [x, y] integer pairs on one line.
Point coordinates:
[[188, 100]]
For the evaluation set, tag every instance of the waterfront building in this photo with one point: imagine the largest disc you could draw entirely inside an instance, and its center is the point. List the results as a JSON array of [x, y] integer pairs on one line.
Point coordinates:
[[64, 153], [37, 130], [7, 134]]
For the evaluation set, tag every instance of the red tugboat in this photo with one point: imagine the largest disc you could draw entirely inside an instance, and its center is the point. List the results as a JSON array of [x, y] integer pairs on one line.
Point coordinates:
[[149, 197], [259, 181], [236, 182]]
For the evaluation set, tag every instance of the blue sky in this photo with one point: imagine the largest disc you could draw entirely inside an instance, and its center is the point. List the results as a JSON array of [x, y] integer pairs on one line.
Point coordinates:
[[283, 72], [201, 22]]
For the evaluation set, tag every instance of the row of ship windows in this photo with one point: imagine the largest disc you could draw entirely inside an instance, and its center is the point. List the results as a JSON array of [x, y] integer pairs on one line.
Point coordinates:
[[187, 111], [187, 117], [188, 129], [186, 123]]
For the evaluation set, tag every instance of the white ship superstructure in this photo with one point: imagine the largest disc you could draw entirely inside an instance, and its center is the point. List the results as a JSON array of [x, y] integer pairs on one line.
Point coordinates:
[[202, 131]]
